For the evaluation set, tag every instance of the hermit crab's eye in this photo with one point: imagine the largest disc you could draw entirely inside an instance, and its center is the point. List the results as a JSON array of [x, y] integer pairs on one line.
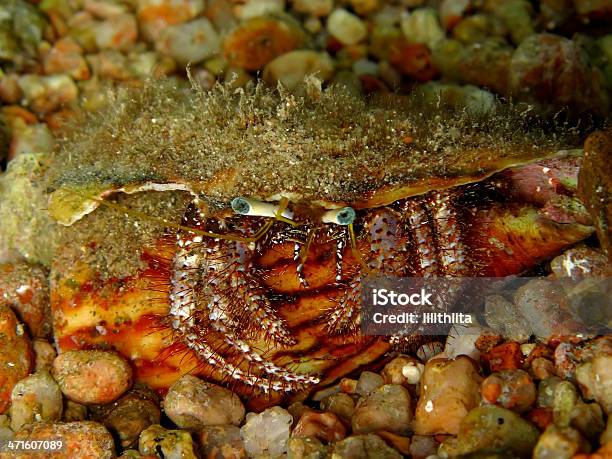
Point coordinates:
[[255, 208], [344, 216]]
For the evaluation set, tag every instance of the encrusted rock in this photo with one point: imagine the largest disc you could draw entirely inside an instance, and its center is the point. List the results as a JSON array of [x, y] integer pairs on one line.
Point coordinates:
[[132, 413], [34, 399], [449, 390], [511, 389], [170, 444], [44, 354], [16, 359], [267, 432], [92, 377], [363, 447], [222, 442], [387, 408], [79, 439], [595, 380], [192, 403], [489, 428], [399, 370]]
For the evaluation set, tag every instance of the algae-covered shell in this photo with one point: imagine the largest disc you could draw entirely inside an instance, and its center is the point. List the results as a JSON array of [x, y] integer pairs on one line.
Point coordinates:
[[328, 148]]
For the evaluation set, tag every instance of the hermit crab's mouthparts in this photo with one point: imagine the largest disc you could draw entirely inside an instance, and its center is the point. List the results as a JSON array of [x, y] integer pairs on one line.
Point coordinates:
[[252, 207], [344, 216]]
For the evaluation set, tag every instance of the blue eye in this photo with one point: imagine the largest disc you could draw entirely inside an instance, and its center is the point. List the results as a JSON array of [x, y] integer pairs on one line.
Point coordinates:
[[241, 206]]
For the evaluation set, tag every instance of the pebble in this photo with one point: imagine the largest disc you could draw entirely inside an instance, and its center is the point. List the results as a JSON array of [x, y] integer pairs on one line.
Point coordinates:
[[80, 439], [542, 368], [45, 94], [368, 382], [581, 262], [324, 426], [117, 32], [155, 15], [517, 16], [256, 8], [560, 443], [318, 8], [92, 377], [132, 413], [451, 12], [346, 27], [66, 56], [506, 356], [10, 92], [267, 432], [24, 286], [74, 411], [363, 447], [222, 442], [491, 427], [595, 380], [256, 42], [422, 446], [400, 370], [448, 390], [34, 399], [110, 64], [387, 408], [365, 7], [191, 42], [44, 354], [192, 403], [340, 404], [504, 318], [292, 68], [511, 389], [16, 359], [422, 26], [551, 69], [169, 444], [306, 448]]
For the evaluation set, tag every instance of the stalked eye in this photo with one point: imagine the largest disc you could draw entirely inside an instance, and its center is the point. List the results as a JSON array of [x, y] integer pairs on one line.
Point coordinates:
[[344, 216], [255, 208]]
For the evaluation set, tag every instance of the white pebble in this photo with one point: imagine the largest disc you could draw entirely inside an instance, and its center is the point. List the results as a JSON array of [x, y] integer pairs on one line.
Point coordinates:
[[267, 433], [413, 373], [346, 27]]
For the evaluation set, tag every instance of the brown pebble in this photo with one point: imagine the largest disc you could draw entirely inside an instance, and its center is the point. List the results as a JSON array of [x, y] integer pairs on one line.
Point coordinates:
[[16, 356], [92, 377], [324, 426], [511, 389], [44, 354], [387, 408], [222, 442], [507, 356], [542, 368]]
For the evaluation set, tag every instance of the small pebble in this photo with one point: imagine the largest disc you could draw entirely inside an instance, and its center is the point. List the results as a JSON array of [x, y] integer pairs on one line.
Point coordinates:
[[365, 7], [364, 446], [506, 356], [117, 32], [34, 399], [191, 42], [560, 443], [317, 8], [422, 26], [44, 354], [44, 94], [155, 15], [192, 403], [422, 446], [306, 448], [368, 382], [595, 380], [267, 432], [110, 64], [511, 389], [255, 8], [74, 411], [169, 444], [448, 390], [393, 372], [324, 426], [340, 404], [387, 408], [92, 377], [291, 68], [346, 27], [66, 56], [222, 442], [542, 368]]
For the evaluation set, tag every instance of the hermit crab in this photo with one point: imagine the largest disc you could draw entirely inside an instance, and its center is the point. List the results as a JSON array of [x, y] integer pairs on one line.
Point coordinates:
[[227, 233]]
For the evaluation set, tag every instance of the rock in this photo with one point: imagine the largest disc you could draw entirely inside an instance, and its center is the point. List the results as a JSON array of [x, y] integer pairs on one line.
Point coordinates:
[[16, 359], [6, 433], [595, 380], [92, 377], [314, 7], [306, 448], [345, 27], [422, 446], [34, 399], [511, 389], [365, 7], [413, 60], [169, 444], [256, 42], [490, 428], [363, 447], [573, 83], [222, 442], [192, 403], [132, 413], [422, 26], [340, 404], [45, 94], [66, 56], [542, 368], [10, 92], [368, 382], [400, 370], [505, 319], [256, 8], [324, 426], [25, 287], [44, 354], [110, 64], [449, 390], [473, 29], [560, 443], [517, 16], [79, 439], [267, 432], [291, 69], [74, 411], [506, 356], [387, 408], [191, 42], [117, 32], [451, 12], [155, 15], [581, 262]]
